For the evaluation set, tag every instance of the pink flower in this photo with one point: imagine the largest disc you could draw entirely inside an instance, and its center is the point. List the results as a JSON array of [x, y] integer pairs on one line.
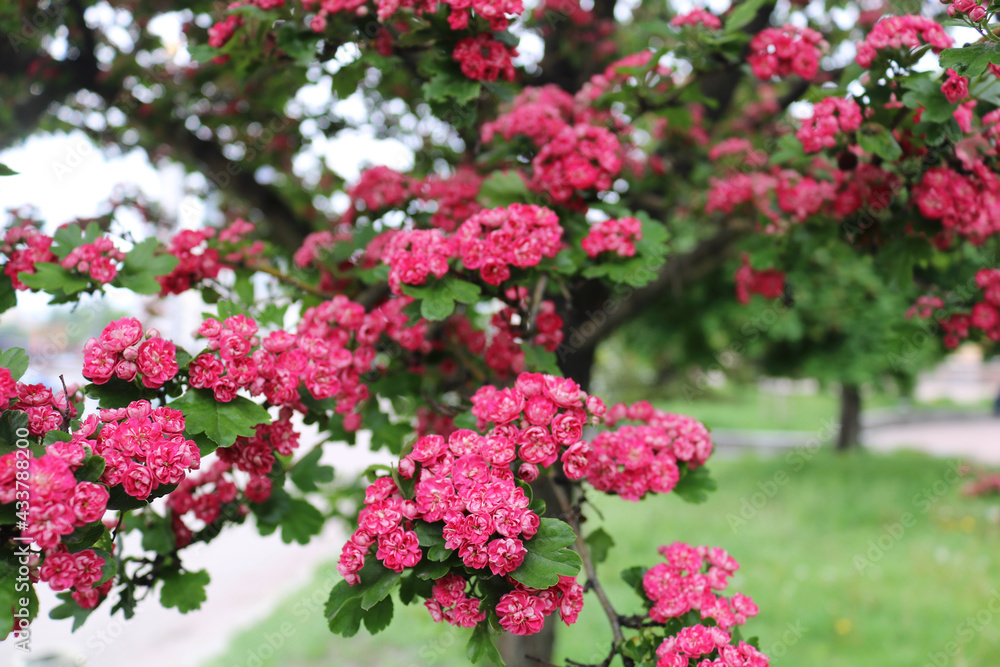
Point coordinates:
[[520, 613], [157, 361]]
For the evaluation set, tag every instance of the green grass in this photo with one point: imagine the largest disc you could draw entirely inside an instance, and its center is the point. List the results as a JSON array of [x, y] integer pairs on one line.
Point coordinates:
[[800, 550]]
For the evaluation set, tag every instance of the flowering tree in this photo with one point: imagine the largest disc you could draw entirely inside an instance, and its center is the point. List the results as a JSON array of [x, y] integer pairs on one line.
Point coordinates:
[[452, 310]]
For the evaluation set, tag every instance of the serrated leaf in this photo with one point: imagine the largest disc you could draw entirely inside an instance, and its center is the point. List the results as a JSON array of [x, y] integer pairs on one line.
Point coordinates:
[[379, 617], [184, 590], [15, 360], [8, 295], [971, 60], [481, 648], [11, 421], [539, 360], [7, 171], [502, 188], [91, 470], [54, 279], [301, 523], [117, 393], [742, 14], [599, 543], [878, 139], [633, 576], [547, 556], [449, 85], [221, 422], [694, 485], [307, 472]]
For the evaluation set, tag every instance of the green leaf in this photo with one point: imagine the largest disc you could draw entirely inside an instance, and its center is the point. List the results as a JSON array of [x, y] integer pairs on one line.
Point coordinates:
[[7, 171], [539, 360], [379, 617], [694, 485], [503, 188], [307, 472], [302, 522], [142, 266], [461, 290], [742, 14], [8, 295], [222, 422], [346, 604], [548, 557], [633, 576], [15, 360], [70, 609], [437, 308], [85, 537], [445, 85], [11, 421], [971, 60], [429, 535], [184, 590], [481, 648], [91, 470], [599, 543], [54, 279], [157, 535], [878, 139], [116, 393]]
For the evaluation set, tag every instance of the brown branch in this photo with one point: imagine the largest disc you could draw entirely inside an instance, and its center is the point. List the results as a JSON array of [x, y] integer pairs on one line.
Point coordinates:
[[573, 518]]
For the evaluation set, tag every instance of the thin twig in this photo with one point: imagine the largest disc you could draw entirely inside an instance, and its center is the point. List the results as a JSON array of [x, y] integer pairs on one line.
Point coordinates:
[[287, 279], [573, 517], [65, 413]]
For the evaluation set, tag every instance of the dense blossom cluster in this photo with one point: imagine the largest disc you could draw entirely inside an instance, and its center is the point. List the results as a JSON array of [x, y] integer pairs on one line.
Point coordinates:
[[210, 496], [984, 316], [901, 32], [25, 246], [581, 157], [99, 260], [466, 485], [686, 582], [638, 459], [955, 87], [697, 17], [769, 283], [784, 51], [617, 236], [46, 410], [59, 503], [79, 571], [699, 643], [143, 447], [483, 58], [964, 203], [121, 352], [830, 116], [491, 241]]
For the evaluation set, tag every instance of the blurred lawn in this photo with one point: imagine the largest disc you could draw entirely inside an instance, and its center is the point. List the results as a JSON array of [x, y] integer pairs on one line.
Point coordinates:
[[815, 517], [749, 408]]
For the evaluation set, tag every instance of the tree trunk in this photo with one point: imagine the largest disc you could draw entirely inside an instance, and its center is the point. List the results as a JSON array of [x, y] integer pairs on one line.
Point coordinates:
[[850, 417]]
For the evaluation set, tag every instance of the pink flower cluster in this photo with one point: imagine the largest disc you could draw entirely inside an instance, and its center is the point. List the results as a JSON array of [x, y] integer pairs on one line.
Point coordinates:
[[483, 58], [120, 352], [538, 113], [617, 236], [58, 503], [450, 602], [78, 571], [635, 460], [455, 196], [786, 50], [700, 643], [379, 188], [697, 17], [197, 261], [25, 246], [687, 581], [769, 283], [143, 447], [44, 408], [975, 11], [256, 455], [964, 203], [97, 259], [901, 32], [985, 314], [955, 87], [205, 496], [580, 157], [491, 241], [830, 116], [523, 610], [518, 235]]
